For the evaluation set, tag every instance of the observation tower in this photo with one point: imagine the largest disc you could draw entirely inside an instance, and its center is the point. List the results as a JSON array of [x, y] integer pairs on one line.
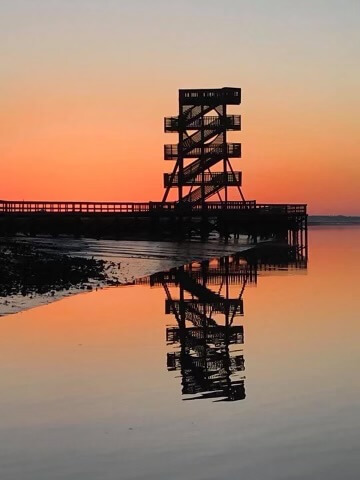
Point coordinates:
[[202, 155]]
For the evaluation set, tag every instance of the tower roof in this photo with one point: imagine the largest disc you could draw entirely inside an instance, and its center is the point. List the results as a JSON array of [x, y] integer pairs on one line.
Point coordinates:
[[208, 96]]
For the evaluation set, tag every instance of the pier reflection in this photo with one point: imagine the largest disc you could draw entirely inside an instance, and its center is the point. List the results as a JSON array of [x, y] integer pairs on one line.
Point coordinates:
[[207, 339]]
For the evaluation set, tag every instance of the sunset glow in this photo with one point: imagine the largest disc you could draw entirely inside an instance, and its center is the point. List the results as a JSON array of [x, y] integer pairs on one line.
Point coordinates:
[[85, 86]]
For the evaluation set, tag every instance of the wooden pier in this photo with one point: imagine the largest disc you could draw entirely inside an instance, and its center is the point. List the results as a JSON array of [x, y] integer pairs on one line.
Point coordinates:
[[167, 220], [202, 171]]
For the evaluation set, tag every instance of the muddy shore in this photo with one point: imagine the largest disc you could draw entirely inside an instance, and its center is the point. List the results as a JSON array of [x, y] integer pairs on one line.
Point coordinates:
[[40, 270], [30, 275]]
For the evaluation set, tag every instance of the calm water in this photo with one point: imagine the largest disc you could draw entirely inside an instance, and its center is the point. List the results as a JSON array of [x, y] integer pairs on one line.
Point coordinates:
[[109, 385]]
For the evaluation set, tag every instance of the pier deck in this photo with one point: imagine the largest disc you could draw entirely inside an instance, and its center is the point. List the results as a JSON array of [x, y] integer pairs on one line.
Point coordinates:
[[168, 220]]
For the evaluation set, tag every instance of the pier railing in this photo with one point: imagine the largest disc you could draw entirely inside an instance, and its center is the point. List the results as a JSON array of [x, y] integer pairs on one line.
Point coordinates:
[[10, 207], [72, 207]]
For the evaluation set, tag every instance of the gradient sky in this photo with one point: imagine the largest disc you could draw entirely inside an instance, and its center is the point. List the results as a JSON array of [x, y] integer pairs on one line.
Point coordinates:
[[85, 84]]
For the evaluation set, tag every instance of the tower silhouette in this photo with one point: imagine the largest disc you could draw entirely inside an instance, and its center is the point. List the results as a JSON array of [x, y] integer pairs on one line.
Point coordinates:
[[202, 125]]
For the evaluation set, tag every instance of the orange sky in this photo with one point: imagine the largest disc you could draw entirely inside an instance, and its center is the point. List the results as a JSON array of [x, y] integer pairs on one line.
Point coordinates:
[[85, 87]]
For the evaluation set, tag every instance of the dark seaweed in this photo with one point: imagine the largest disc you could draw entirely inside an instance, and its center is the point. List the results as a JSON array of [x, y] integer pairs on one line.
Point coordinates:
[[25, 269]]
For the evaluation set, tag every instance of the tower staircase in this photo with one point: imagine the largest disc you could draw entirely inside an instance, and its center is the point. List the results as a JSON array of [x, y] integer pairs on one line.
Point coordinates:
[[202, 126]]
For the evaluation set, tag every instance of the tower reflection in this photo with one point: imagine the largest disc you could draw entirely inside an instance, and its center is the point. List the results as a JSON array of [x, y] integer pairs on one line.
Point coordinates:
[[206, 301]]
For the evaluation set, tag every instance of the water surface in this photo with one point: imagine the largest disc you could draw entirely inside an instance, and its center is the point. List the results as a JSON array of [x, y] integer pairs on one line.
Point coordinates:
[[89, 388]]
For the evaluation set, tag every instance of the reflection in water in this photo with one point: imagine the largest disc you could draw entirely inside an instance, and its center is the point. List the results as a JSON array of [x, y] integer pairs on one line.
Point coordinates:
[[207, 359], [86, 393], [206, 300]]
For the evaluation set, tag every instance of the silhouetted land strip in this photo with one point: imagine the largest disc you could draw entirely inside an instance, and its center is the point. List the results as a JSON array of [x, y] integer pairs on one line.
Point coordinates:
[[333, 220]]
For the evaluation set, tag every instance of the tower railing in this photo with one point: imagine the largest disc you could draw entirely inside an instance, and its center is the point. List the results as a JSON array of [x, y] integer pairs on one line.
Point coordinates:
[[208, 178], [230, 122], [171, 151], [228, 95]]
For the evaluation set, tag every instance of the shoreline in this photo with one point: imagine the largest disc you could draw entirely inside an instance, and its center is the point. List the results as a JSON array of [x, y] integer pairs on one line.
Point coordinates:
[[39, 271]]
